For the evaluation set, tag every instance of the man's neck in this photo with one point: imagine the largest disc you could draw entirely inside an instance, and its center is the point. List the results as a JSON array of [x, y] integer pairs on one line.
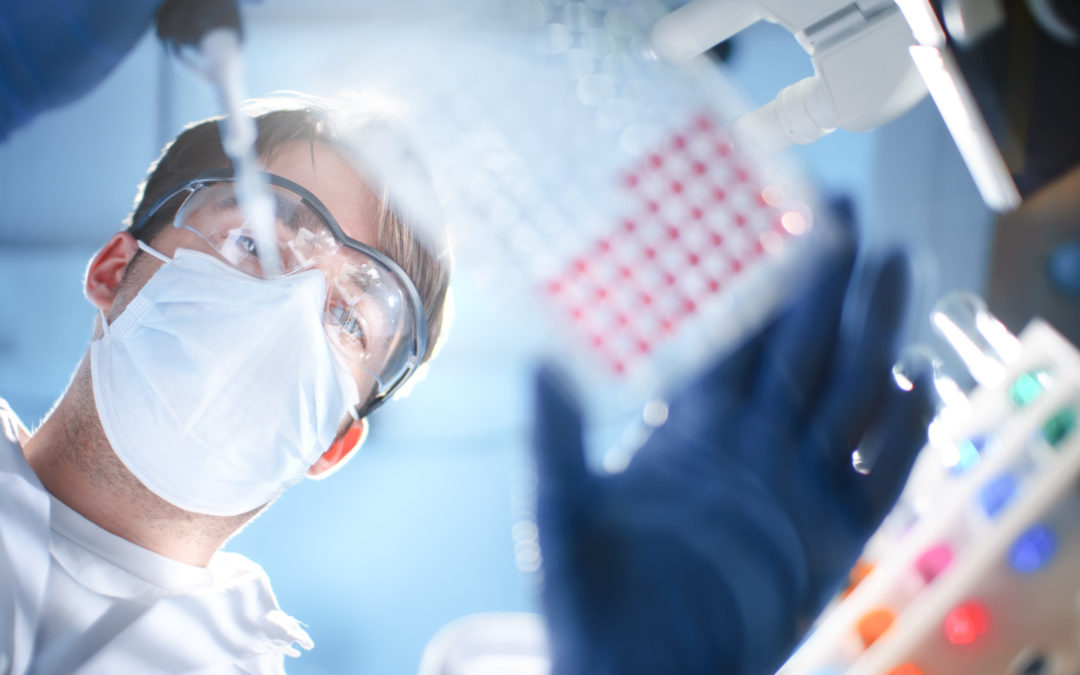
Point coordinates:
[[74, 461]]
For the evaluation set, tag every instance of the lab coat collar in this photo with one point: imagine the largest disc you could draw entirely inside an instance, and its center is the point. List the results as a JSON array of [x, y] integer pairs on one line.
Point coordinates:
[[230, 596], [131, 571]]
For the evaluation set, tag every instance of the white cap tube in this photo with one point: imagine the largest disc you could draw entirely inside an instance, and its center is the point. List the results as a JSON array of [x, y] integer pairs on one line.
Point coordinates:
[[800, 113]]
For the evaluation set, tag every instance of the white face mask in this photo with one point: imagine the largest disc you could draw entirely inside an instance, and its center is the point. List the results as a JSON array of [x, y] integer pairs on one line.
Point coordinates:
[[216, 389]]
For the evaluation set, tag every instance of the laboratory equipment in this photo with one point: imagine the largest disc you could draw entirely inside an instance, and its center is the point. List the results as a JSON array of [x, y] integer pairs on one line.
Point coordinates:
[[1004, 76], [976, 568], [863, 76], [572, 167], [207, 34], [489, 643]]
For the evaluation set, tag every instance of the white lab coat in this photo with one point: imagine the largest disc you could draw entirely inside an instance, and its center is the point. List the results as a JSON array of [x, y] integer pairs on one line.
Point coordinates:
[[75, 598]]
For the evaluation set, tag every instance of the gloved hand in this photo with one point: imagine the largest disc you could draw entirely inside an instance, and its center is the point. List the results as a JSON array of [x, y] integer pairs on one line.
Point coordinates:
[[54, 51], [740, 516]]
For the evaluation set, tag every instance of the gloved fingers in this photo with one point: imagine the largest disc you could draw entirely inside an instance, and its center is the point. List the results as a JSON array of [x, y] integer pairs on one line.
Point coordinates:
[[562, 501], [800, 345], [710, 406], [891, 445], [860, 371], [558, 450]]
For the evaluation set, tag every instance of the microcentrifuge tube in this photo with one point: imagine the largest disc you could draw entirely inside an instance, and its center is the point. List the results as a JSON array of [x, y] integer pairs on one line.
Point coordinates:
[[920, 359], [1058, 427], [981, 341]]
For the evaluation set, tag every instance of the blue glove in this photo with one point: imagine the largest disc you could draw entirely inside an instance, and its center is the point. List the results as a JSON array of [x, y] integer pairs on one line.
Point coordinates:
[[741, 515], [54, 51]]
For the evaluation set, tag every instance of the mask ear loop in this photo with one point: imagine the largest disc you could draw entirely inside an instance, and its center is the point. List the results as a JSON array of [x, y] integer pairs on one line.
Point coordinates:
[[152, 251], [104, 324]]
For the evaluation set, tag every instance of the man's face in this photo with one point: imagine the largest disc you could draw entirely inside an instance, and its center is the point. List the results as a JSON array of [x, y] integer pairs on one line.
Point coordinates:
[[318, 168]]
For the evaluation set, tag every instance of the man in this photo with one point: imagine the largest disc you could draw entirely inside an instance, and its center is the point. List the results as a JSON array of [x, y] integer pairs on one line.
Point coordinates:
[[210, 386]]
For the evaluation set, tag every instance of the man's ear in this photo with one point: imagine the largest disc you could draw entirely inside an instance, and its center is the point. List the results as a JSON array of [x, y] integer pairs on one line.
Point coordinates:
[[340, 451], [107, 269]]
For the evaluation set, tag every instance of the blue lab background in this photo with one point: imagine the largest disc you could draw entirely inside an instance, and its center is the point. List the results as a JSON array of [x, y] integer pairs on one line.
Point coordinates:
[[417, 530]]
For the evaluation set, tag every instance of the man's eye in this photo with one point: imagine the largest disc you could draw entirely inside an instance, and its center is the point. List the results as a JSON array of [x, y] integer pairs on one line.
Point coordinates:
[[246, 245], [350, 323]]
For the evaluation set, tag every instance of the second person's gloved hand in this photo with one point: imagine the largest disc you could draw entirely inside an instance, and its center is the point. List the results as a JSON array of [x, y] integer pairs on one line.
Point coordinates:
[[740, 516], [54, 51]]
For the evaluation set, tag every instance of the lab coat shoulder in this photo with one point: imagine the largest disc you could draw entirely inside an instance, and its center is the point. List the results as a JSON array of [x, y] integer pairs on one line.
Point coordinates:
[[24, 547]]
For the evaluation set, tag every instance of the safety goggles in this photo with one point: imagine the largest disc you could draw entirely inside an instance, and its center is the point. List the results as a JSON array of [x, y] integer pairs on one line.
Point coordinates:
[[373, 314]]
